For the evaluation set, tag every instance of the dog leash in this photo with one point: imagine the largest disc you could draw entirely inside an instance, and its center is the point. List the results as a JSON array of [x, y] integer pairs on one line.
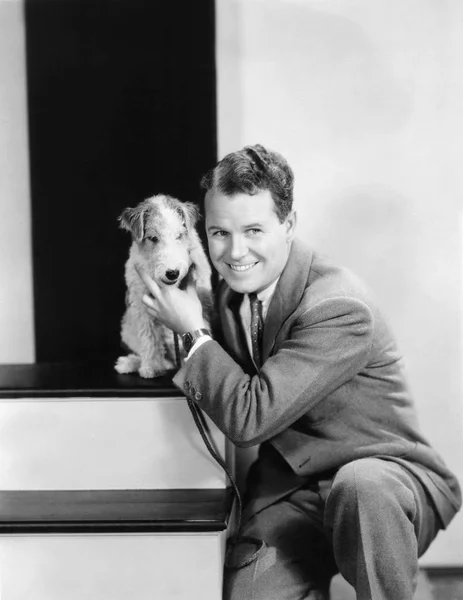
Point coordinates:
[[202, 427]]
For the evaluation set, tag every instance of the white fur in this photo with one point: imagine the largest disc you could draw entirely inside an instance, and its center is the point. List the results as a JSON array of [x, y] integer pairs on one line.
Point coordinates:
[[166, 244]]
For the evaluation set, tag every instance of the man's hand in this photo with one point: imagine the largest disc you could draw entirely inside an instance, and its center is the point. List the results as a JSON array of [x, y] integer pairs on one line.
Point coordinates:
[[179, 310]]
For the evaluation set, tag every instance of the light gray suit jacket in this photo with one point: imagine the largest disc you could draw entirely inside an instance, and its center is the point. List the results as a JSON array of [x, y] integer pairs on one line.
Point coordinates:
[[331, 388]]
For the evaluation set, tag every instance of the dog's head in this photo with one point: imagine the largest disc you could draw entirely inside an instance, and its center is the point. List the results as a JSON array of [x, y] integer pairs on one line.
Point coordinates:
[[161, 229]]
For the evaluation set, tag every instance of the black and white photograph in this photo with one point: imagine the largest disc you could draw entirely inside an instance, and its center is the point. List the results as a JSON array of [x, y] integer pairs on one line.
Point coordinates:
[[231, 300]]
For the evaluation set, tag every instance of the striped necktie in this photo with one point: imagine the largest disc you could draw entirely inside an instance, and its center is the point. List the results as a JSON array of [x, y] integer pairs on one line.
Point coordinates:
[[257, 326]]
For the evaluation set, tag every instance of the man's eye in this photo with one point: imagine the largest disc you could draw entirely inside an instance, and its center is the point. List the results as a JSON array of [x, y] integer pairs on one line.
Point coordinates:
[[254, 231], [220, 233]]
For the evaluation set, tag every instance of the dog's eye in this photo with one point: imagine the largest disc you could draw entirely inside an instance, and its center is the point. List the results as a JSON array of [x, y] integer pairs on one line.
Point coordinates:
[[153, 239], [180, 235]]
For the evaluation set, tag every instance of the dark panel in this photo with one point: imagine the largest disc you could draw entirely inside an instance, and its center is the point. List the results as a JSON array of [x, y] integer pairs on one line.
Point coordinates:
[[121, 106], [114, 511], [94, 379]]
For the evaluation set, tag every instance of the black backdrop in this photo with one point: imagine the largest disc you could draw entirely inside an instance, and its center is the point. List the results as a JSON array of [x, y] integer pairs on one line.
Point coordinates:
[[122, 105]]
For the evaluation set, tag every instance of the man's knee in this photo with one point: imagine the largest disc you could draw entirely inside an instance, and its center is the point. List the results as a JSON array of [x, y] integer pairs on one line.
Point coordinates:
[[371, 483], [357, 477]]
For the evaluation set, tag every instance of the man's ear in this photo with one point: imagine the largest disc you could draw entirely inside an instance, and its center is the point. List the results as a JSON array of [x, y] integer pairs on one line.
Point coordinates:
[[290, 224]]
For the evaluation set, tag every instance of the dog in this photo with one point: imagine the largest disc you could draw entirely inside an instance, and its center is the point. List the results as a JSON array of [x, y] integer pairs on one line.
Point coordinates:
[[166, 244]]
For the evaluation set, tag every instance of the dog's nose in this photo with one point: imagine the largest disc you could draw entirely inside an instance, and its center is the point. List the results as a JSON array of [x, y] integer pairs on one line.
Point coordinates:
[[172, 274]]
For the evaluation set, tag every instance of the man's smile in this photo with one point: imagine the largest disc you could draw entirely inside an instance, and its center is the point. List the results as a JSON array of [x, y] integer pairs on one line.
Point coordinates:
[[241, 268]]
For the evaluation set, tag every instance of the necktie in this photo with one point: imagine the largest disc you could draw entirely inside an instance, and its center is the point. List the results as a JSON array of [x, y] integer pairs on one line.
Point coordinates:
[[257, 326]]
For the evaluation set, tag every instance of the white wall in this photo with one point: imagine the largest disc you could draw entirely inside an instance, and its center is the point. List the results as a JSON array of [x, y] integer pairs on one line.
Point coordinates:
[[364, 99], [16, 319]]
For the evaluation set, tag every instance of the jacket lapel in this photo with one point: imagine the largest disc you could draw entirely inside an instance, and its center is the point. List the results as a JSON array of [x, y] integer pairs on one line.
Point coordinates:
[[288, 294]]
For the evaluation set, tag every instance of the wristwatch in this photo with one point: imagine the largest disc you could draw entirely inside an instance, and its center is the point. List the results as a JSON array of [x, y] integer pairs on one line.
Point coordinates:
[[190, 338]]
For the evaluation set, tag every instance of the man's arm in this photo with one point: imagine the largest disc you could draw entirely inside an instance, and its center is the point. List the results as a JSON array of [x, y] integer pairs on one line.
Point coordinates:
[[327, 346]]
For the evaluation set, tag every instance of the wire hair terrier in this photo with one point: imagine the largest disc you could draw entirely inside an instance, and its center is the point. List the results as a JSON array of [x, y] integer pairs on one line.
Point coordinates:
[[166, 244]]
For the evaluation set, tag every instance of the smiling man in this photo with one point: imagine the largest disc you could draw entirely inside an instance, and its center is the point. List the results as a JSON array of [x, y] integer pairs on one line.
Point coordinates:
[[303, 364], [248, 243]]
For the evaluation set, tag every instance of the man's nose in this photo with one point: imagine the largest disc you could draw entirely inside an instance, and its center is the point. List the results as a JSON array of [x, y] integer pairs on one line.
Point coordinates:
[[239, 248]]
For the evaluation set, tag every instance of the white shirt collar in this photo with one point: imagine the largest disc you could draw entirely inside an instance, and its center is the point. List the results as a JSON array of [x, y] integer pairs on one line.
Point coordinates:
[[265, 296], [245, 311]]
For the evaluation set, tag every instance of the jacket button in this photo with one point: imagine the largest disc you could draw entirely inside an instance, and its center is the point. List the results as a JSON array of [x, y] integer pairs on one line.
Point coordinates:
[[198, 396]]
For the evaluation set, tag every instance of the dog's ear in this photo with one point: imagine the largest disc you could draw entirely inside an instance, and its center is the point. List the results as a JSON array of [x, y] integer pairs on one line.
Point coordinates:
[[133, 220], [190, 213]]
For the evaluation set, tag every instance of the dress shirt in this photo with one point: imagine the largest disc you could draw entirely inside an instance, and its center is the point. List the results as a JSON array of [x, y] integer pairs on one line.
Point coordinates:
[[245, 310], [245, 313]]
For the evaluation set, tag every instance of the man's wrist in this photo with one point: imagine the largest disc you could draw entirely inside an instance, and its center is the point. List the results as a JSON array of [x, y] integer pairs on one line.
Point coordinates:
[[190, 338], [192, 325], [202, 340]]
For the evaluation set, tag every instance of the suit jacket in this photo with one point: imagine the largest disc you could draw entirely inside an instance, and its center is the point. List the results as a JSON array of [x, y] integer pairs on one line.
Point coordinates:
[[331, 389]]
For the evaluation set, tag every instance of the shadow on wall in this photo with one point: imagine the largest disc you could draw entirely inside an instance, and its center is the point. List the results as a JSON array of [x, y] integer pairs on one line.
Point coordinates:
[[377, 232], [325, 73]]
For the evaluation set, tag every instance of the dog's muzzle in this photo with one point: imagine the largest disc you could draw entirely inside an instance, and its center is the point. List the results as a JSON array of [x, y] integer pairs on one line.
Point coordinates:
[[172, 276]]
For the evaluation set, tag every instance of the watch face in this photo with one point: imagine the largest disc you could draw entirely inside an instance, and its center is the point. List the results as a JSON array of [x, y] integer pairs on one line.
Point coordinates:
[[190, 338], [187, 339]]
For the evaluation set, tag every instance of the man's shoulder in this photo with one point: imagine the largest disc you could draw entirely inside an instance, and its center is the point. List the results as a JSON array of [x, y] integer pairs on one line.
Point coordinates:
[[328, 278]]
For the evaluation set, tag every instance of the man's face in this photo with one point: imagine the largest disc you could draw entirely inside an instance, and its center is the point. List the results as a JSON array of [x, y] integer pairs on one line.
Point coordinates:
[[248, 245]]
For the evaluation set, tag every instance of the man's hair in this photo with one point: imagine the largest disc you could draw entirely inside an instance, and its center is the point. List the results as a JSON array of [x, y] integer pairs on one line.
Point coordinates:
[[250, 171]]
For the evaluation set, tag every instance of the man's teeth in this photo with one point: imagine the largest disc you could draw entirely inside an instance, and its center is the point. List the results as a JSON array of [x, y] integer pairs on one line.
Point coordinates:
[[242, 267]]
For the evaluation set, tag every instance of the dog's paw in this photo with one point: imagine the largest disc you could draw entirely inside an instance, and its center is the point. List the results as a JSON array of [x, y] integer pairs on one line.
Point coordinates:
[[127, 364], [148, 372]]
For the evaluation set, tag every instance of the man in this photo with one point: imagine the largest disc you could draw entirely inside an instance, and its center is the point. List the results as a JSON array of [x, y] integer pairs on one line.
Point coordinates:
[[344, 480]]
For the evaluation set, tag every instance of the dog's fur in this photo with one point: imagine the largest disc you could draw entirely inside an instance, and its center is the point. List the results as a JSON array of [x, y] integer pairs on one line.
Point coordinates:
[[166, 244]]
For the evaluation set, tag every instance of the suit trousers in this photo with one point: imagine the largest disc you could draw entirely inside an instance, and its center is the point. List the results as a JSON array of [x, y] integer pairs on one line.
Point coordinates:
[[370, 522]]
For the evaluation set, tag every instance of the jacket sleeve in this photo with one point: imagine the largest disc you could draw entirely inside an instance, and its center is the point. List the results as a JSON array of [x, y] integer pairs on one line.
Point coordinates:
[[327, 346]]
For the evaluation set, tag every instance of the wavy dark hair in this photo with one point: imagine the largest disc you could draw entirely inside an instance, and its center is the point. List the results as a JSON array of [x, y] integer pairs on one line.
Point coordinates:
[[251, 170]]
